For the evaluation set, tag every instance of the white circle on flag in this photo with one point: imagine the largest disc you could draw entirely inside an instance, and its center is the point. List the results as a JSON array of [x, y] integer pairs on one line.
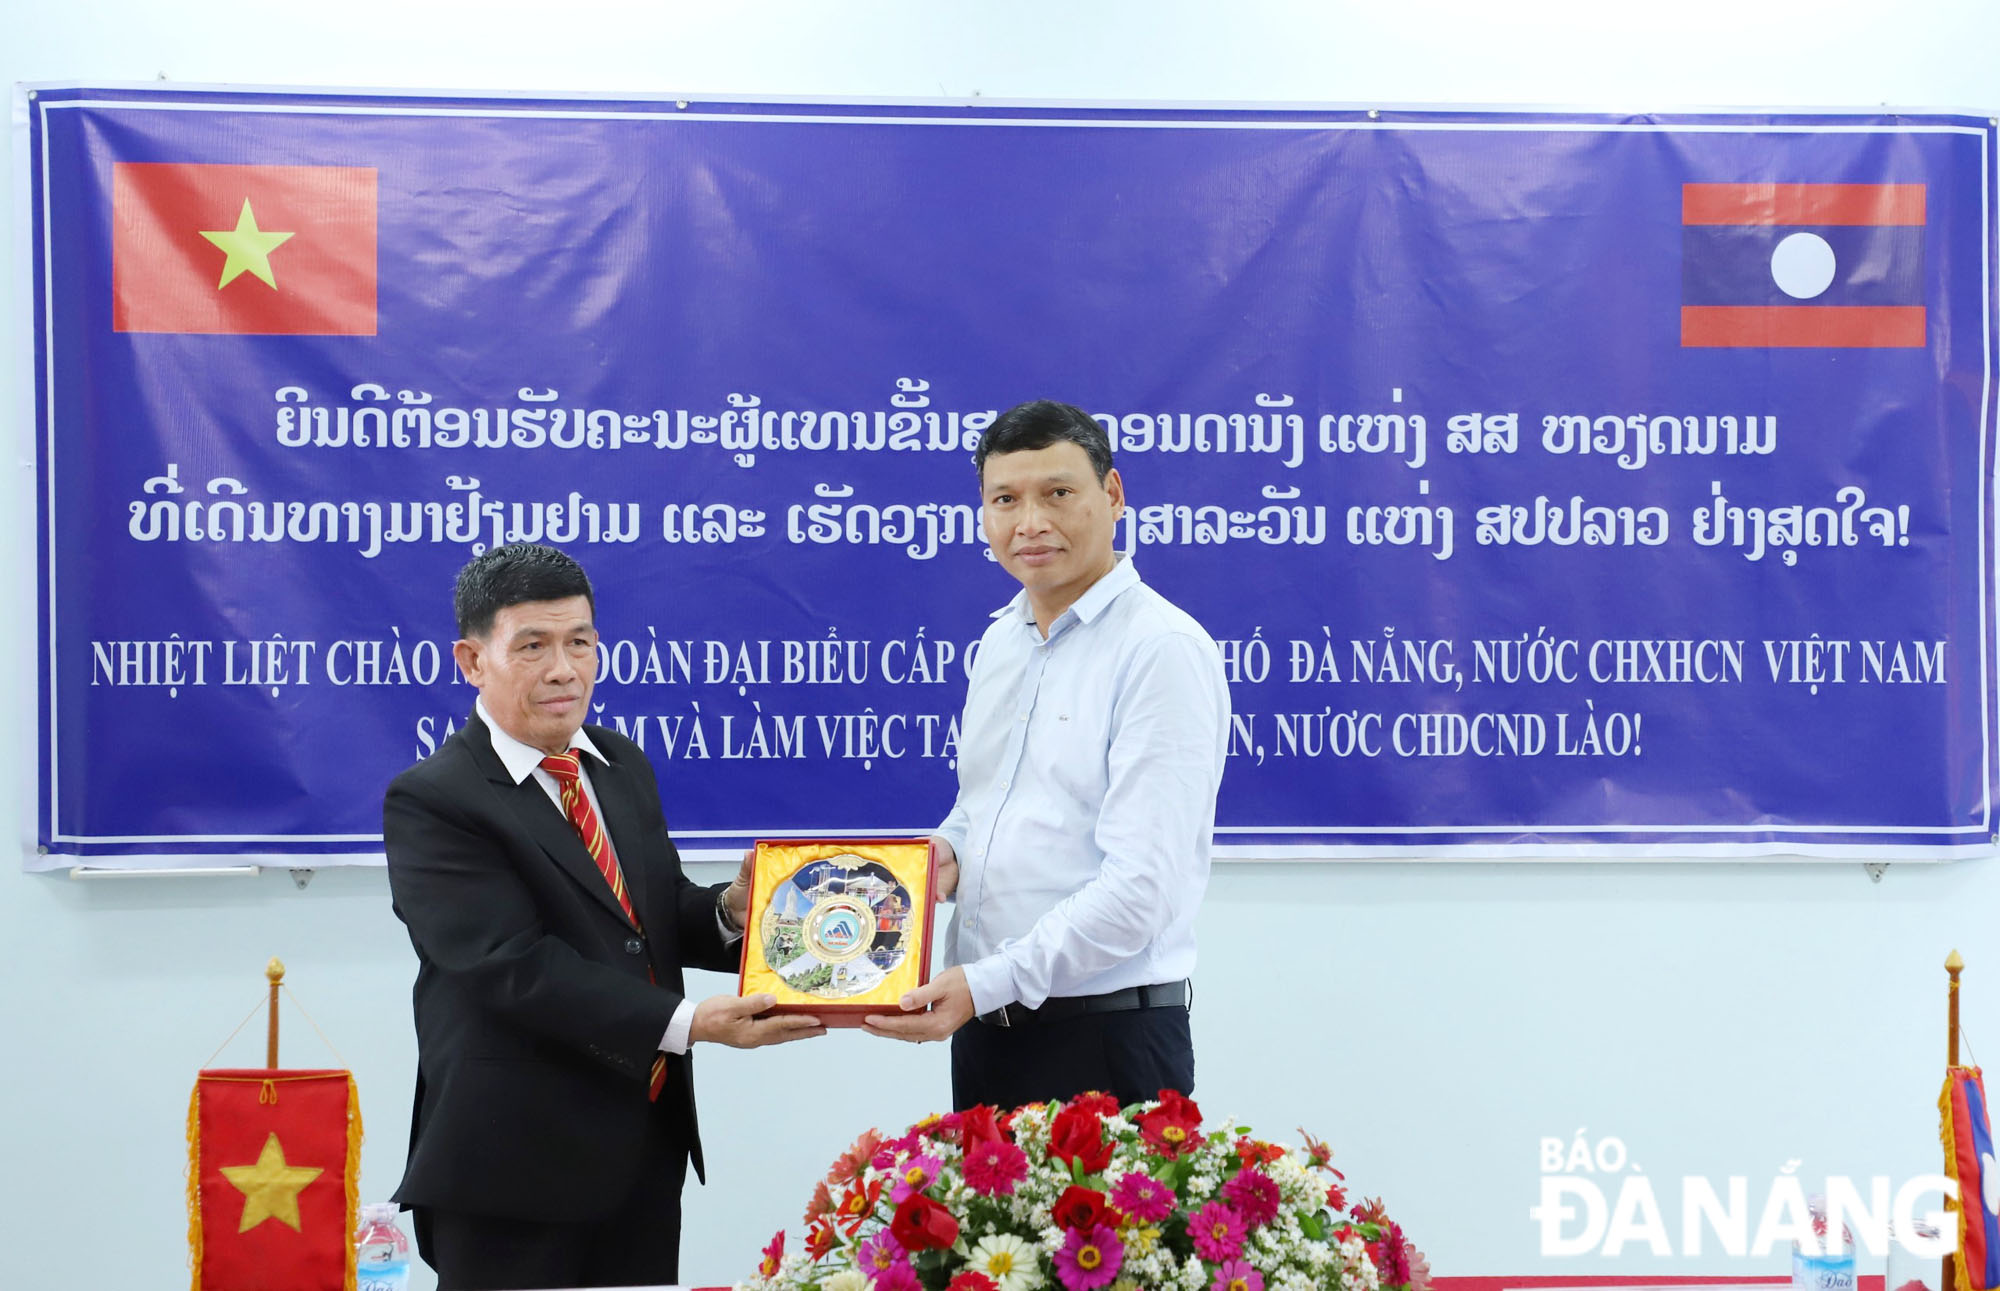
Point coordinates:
[[1802, 266]]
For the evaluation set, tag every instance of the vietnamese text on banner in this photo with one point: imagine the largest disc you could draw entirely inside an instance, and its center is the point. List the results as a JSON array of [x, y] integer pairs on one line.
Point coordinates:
[[1555, 483]]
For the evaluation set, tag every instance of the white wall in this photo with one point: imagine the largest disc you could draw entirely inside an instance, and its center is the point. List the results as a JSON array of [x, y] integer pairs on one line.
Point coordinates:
[[1433, 1021]]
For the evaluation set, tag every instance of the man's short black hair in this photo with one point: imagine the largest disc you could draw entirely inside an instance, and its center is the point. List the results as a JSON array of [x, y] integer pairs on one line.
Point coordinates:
[[1028, 426], [514, 575]]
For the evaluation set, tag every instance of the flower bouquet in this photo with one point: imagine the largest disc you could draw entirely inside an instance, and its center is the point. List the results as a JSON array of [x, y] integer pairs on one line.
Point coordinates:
[[1086, 1195]]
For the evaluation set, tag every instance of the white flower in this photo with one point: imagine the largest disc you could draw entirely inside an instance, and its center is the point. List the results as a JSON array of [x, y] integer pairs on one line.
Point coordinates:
[[1008, 1260], [846, 1280]]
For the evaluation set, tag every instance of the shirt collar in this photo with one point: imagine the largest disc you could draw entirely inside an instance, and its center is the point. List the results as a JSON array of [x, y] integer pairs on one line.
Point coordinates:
[[1095, 600], [522, 759]]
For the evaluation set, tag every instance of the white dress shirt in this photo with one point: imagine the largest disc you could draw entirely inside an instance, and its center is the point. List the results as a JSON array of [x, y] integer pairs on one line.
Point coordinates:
[[524, 760], [1087, 772]]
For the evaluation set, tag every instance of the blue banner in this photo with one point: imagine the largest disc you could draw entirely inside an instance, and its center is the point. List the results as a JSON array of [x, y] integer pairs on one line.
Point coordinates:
[[1554, 483]]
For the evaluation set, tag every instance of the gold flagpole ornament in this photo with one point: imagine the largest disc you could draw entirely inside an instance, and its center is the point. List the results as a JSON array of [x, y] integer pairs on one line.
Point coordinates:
[[275, 971]]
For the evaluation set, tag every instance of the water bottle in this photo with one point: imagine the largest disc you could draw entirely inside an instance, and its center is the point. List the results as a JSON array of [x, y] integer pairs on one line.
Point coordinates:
[[1831, 1267], [381, 1252]]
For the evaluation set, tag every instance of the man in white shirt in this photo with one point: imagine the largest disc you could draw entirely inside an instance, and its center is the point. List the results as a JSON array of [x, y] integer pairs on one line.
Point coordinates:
[[1093, 742]]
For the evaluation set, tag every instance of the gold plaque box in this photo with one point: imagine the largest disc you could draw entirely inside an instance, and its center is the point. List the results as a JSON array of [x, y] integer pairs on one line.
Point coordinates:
[[839, 928]]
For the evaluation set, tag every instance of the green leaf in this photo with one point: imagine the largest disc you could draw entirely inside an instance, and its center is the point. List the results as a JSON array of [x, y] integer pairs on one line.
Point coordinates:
[[1312, 1228]]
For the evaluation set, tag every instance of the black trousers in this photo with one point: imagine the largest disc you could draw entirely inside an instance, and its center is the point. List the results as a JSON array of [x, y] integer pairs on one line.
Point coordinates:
[[639, 1245], [1131, 1055]]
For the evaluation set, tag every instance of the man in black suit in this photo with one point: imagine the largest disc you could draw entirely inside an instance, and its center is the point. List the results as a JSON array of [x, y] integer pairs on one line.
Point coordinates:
[[530, 861]]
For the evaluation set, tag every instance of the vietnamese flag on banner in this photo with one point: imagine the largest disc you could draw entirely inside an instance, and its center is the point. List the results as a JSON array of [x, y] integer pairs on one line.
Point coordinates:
[[274, 1158], [197, 247]]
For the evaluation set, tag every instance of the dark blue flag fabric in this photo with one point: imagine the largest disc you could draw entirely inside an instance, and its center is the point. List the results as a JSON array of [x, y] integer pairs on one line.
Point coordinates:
[[1554, 483]]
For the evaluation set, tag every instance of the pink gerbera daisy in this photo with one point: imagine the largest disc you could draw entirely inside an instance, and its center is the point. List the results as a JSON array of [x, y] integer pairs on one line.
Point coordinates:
[[1236, 1275], [915, 1175], [1255, 1196], [1217, 1232], [1089, 1258], [1143, 1197], [879, 1252], [994, 1167]]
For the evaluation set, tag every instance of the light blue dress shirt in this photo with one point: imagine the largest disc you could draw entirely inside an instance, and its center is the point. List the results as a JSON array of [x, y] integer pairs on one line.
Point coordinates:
[[1087, 772]]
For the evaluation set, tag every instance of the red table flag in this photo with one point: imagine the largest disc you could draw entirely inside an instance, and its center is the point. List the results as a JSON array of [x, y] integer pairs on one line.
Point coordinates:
[[274, 1158]]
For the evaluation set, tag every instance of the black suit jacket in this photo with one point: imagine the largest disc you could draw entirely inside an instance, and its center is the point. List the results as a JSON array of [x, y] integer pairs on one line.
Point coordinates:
[[536, 1022]]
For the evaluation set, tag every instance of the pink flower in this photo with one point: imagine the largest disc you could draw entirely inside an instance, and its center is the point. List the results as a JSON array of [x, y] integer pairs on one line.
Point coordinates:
[[1255, 1196], [1143, 1197], [1089, 1258], [774, 1255], [879, 1252], [1236, 1275], [1391, 1254], [898, 1277], [915, 1175], [902, 1145], [994, 1167], [1217, 1232]]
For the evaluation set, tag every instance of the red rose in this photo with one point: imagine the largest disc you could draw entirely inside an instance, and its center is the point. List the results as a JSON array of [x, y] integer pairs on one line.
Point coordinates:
[[1083, 1208], [1078, 1135], [920, 1224], [976, 1125]]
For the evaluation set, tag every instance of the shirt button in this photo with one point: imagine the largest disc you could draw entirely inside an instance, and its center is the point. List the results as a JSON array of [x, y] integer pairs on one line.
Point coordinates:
[[633, 946]]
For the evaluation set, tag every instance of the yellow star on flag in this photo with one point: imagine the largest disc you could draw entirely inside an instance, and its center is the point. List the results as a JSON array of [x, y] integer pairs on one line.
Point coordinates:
[[270, 1188], [249, 248]]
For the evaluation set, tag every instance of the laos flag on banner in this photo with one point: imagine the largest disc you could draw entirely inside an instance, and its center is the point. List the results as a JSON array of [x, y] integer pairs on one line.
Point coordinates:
[[1968, 1159], [1835, 265]]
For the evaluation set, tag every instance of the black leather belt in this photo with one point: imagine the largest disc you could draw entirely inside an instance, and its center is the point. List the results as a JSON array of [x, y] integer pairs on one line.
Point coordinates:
[[1170, 995]]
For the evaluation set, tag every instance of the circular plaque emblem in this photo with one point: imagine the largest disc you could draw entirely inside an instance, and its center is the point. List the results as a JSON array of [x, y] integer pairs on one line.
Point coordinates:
[[837, 927]]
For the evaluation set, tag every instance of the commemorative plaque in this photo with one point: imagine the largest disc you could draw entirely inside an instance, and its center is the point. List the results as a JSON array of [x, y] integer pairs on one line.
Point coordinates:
[[839, 928]]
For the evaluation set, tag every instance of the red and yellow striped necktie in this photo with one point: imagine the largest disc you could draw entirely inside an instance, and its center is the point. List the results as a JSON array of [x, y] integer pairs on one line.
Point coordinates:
[[567, 768]]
